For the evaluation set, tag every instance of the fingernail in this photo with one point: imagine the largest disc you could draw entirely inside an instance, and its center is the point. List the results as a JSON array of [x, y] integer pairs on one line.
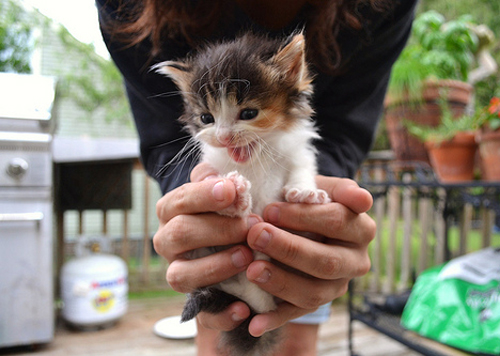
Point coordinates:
[[264, 276], [212, 176], [251, 221], [262, 240], [238, 258], [236, 318], [218, 190], [273, 214]]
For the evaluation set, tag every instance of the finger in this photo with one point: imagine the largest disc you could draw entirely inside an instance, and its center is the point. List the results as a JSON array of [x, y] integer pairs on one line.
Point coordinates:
[[203, 171], [188, 232], [331, 220], [186, 275], [317, 259], [285, 312], [283, 284], [193, 198], [226, 320], [347, 192]]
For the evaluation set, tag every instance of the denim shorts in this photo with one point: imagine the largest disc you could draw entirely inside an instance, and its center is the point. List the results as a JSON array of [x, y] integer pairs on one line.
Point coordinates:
[[320, 316]]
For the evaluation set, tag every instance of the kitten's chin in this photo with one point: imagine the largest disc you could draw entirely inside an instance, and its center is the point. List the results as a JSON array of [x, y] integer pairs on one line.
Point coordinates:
[[241, 154]]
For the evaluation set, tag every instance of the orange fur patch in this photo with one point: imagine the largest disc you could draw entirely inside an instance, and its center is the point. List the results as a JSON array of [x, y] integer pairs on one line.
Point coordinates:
[[274, 116]]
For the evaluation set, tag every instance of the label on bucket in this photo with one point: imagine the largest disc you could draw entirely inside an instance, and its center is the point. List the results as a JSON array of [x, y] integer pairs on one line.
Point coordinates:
[[90, 301]]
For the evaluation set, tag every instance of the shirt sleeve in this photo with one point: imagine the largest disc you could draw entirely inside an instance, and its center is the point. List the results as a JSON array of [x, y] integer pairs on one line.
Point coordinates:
[[349, 105], [155, 102]]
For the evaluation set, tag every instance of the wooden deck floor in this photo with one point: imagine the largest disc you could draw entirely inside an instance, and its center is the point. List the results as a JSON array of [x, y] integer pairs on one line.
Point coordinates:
[[133, 336]]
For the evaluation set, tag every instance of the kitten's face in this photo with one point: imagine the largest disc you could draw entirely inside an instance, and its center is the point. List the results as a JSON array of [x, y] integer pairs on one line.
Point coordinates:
[[239, 94]]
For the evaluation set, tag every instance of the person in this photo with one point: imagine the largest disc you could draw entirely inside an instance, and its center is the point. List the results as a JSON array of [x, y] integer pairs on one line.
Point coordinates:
[[351, 45]]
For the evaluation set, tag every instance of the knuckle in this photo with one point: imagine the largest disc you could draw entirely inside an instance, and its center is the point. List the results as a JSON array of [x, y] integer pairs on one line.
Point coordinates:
[[290, 250], [302, 215], [211, 272], [176, 230], [363, 267], [200, 171], [313, 301], [336, 220], [180, 202], [280, 288], [329, 266], [159, 208], [158, 242], [371, 228], [175, 279]]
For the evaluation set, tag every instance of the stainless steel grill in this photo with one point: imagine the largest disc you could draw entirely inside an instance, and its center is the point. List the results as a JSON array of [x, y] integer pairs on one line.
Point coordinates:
[[27, 125]]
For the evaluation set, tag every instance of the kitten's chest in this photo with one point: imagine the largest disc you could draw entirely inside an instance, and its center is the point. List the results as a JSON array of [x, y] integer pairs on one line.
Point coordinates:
[[266, 191], [267, 185], [267, 178]]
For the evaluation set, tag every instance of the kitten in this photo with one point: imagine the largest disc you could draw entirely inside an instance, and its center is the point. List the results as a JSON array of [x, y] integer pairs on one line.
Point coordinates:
[[246, 102]]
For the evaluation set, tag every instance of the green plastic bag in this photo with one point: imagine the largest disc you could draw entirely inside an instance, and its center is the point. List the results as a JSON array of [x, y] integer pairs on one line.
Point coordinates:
[[458, 303]]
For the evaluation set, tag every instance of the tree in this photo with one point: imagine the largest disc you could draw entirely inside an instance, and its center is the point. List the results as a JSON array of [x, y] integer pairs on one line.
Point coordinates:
[[16, 39], [96, 85]]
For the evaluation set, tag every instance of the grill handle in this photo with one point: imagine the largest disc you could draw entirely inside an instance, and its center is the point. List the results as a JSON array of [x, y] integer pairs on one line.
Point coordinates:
[[19, 217]]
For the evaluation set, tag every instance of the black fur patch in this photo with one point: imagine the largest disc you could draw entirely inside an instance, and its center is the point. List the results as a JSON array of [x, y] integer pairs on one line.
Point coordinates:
[[238, 342], [210, 300]]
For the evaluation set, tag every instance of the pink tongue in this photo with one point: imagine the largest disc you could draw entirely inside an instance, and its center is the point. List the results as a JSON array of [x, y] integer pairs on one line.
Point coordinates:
[[239, 154]]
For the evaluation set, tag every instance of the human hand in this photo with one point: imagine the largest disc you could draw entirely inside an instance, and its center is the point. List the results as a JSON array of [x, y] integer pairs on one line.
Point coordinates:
[[336, 253], [188, 220], [326, 265]]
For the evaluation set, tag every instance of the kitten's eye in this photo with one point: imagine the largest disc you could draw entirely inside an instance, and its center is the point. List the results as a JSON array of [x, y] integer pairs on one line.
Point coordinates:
[[248, 114], [207, 119]]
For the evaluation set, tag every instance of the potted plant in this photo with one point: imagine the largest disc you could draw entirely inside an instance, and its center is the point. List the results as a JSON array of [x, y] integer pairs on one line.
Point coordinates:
[[451, 145], [439, 55], [489, 140]]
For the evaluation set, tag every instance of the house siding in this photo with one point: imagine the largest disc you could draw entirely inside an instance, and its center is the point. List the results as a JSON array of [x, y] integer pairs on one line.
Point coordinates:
[[55, 59]]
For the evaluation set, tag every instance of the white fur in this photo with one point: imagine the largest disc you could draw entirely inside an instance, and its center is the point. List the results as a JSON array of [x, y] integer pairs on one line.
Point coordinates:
[[283, 168], [275, 159], [268, 157]]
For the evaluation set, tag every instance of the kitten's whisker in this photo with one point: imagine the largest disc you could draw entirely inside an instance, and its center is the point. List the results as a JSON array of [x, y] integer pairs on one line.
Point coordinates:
[[196, 153], [190, 148], [259, 160], [207, 72], [245, 81], [272, 153], [167, 95], [267, 117], [187, 138]]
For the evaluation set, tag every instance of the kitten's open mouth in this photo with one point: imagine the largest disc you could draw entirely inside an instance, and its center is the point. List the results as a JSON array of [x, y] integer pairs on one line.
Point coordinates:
[[241, 154]]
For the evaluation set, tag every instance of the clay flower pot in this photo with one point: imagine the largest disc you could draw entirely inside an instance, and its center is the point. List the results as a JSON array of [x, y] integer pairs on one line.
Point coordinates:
[[407, 147], [489, 151], [453, 160]]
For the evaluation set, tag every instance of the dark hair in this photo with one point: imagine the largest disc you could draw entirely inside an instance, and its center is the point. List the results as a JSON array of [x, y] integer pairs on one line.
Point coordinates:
[[189, 20]]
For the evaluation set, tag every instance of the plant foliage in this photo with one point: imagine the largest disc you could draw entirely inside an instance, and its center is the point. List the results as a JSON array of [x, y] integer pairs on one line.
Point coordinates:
[[95, 85], [16, 38], [437, 49], [448, 127]]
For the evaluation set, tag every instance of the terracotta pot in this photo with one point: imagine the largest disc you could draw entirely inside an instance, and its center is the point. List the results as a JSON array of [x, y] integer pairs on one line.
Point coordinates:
[[489, 150], [407, 147], [453, 161]]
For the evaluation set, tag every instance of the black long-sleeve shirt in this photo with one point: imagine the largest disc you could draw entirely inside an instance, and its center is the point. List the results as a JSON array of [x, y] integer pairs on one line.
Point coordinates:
[[348, 105]]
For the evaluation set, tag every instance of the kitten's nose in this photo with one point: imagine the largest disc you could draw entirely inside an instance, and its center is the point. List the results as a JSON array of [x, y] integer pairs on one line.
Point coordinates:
[[225, 138]]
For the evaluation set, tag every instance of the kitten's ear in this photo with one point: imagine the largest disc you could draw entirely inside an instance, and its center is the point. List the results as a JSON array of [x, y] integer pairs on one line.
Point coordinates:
[[179, 72], [292, 60]]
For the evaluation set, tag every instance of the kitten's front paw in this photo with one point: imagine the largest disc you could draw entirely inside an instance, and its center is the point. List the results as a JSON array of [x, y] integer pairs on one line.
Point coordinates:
[[309, 196], [243, 200]]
